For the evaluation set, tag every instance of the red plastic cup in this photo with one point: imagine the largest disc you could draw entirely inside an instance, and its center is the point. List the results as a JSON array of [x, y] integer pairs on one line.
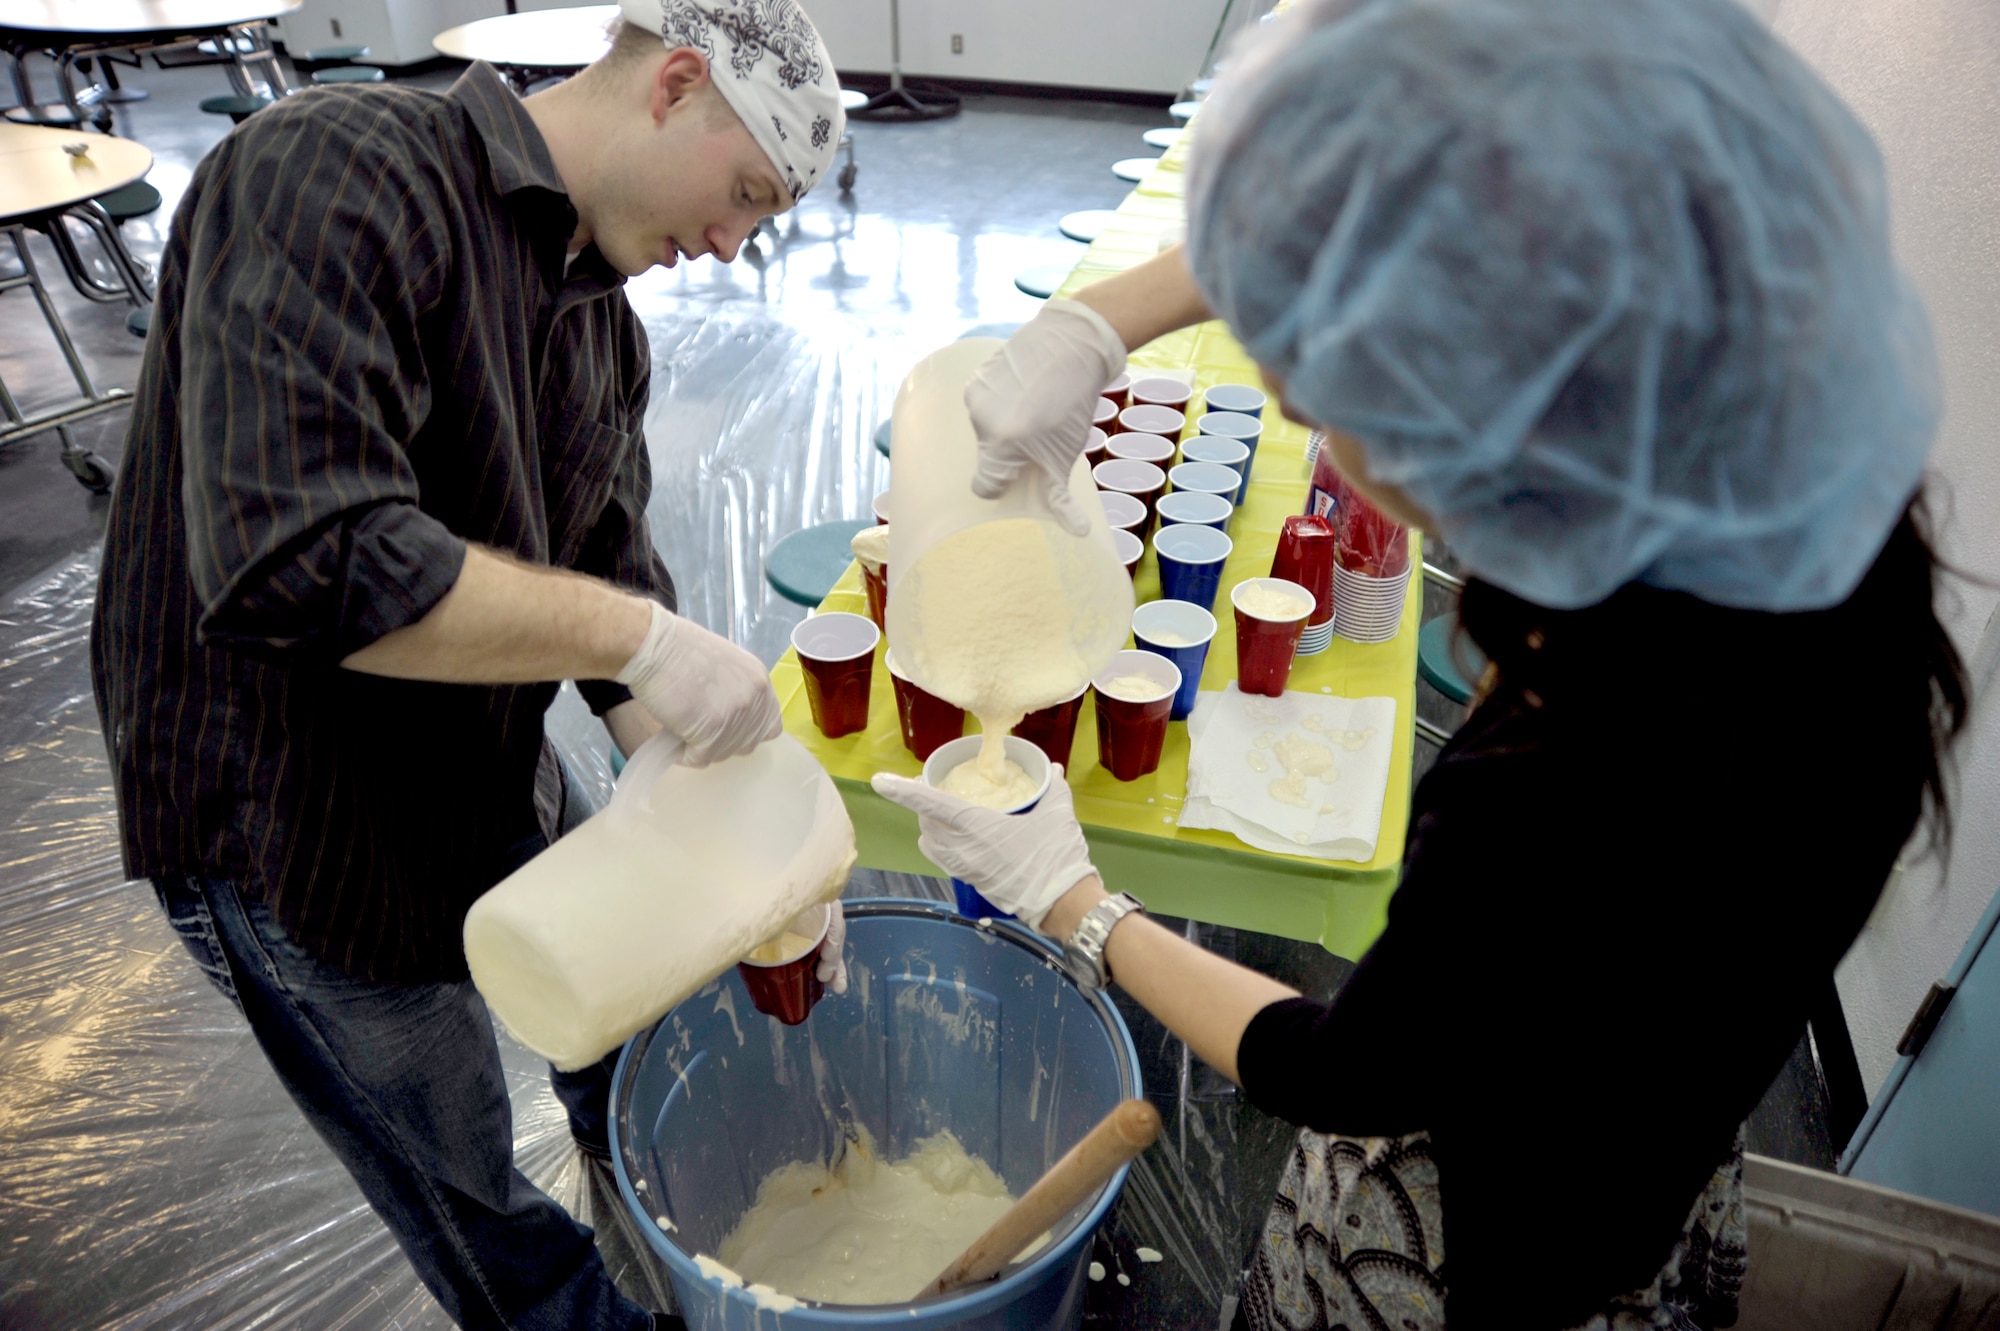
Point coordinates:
[[1119, 390], [1130, 551], [1104, 416], [1094, 446], [927, 720], [1122, 511], [1148, 419], [1161, 391], [1305, 556], [788, 989], [876, 582], [1132, 732], [1266, 643], [1143, 448], [1053, 729], [837, 654], [881, 507], [1141, 480]]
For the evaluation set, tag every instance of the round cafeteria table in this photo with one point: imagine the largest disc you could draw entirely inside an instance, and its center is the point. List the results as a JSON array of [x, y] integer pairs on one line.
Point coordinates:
[[40, 179], [530, 47], [72, 30]]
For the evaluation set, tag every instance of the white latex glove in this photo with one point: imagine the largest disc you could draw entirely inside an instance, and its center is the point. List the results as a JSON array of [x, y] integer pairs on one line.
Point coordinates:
[[1021, 862], [1031, 403], [703, 688], [832, 970]]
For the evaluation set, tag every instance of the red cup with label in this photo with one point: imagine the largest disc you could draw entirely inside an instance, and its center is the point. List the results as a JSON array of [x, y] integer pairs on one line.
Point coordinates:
[[1053, 729], [783, 980], [837, 655], [1135, 698], [927, 720], [1305, 556], [1119, 390], [1270, 615]]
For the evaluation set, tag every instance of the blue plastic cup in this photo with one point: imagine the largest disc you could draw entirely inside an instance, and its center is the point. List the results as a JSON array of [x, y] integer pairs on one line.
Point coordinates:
[[1196, 509], [1180, 632], [1243, 428], [1239, 398], [1205, 478], [965, 749], [1231, 453], [1191, 560]]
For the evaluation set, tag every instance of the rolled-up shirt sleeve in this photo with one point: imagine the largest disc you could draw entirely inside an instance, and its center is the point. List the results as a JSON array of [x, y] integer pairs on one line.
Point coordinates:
[[310, 264]]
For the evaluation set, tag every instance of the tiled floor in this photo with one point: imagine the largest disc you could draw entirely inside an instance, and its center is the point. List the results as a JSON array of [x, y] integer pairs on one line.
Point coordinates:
[[150, 1170]]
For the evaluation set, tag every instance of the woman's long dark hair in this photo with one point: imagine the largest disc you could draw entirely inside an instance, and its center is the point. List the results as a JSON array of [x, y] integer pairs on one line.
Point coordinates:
[[1950, 694]]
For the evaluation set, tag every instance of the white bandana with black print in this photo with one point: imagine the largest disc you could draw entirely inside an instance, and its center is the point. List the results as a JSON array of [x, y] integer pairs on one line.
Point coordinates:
[[769, 63]]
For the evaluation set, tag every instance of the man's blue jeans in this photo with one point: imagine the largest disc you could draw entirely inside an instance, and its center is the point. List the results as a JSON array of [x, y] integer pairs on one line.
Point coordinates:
[[404, 1083]]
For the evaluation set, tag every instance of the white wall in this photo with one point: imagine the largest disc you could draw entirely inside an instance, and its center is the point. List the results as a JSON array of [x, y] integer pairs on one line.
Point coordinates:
[[1130, 45], [1924, 75]]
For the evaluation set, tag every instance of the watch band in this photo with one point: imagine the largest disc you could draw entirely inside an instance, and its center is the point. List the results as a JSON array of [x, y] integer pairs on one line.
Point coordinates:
[[1083, 950]]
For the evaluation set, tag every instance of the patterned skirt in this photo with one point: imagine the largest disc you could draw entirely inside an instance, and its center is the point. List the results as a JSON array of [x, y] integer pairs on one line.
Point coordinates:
[[1355, 1239]]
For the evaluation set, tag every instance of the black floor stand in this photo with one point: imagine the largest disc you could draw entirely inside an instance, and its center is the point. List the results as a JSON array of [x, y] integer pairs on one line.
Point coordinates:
[[906, 101], [909, 101]]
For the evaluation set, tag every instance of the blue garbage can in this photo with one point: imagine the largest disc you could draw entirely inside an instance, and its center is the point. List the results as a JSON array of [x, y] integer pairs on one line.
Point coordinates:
[[948, 1023]]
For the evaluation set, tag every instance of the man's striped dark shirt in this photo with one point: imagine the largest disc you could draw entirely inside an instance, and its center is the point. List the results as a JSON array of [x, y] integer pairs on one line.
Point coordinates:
[[366, 352]]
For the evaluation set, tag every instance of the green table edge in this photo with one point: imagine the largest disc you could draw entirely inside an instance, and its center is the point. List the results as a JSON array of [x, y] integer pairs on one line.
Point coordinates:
[[1288, 898]]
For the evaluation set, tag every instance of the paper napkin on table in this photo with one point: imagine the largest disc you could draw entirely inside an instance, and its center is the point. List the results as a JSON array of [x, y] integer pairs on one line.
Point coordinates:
[[1303, 774]]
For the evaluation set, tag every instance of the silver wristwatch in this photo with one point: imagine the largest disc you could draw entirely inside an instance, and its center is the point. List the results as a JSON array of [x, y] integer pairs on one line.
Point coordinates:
[[1083, 951]]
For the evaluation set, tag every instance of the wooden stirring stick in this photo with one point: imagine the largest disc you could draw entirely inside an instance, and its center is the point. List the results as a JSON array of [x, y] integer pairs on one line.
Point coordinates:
[[1124, 1132]]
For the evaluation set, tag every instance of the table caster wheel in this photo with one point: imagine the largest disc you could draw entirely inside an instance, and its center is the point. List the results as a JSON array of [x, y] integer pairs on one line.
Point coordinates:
[[92, 472], [847, 175]]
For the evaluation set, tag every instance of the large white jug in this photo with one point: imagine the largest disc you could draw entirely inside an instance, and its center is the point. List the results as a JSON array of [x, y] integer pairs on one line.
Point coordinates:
[[682, 874], [1047, 609]]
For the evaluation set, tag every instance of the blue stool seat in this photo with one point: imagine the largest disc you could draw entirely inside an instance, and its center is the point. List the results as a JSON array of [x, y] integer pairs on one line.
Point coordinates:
[[803, 567], [133, 200], [1086, 225], [238, 109], [1002, 331], [348, 74], [1437, 663], [882, 439], [330, 55], [1043, 282]]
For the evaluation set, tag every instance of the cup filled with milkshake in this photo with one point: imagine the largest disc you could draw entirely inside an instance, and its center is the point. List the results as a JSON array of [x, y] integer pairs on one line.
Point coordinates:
[[1135, 698], [782, 973], [1011, 776]]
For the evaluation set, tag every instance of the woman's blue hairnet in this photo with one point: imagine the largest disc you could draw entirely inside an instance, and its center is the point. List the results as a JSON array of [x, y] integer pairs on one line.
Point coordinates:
[[1605, 285]]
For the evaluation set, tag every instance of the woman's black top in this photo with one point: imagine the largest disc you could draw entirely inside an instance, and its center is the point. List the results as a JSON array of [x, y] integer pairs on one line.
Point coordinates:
[[1626, 876]]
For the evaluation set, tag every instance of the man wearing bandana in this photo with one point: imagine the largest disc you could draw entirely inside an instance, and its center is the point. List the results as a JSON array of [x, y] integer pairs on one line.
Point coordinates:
[[385, 487]]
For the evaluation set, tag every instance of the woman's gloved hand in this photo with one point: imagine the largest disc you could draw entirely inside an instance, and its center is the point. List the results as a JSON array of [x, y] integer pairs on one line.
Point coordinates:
[[703, 688], [1031, 403], [1021, 862], [832, 969]]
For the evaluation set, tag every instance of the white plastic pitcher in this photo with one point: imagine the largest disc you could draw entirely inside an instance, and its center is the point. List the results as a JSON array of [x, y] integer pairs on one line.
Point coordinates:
[[1060, 614], [681, 875]]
